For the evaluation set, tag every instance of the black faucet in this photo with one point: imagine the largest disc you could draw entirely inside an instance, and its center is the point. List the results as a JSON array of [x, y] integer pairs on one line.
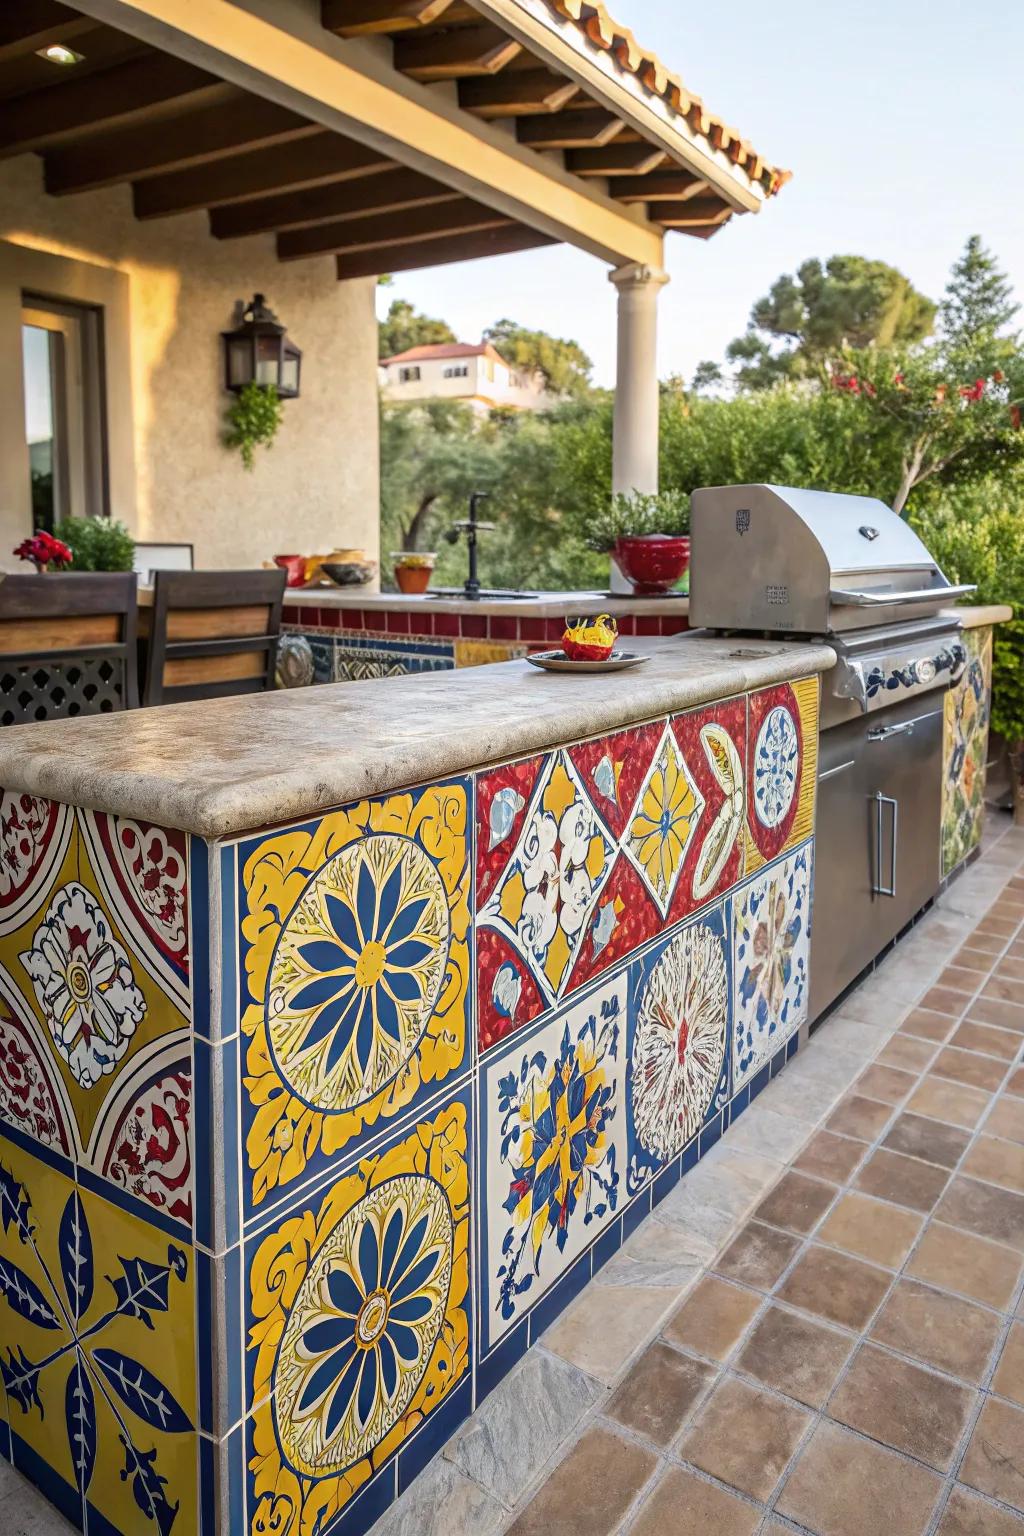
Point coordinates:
[[471, 526]]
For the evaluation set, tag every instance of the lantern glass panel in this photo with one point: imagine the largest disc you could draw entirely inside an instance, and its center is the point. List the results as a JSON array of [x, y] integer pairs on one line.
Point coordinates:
[[268, 359], [290, 370], [239, 362]]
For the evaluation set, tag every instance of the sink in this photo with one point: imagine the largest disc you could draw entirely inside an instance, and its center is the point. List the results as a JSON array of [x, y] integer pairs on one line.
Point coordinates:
[[485, 595]]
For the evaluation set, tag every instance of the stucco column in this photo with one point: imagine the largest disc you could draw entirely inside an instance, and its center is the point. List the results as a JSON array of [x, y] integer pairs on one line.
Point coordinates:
[[635, 434]]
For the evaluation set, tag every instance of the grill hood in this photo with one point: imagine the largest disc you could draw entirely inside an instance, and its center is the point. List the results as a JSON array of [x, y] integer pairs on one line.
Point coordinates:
[[773, 557]]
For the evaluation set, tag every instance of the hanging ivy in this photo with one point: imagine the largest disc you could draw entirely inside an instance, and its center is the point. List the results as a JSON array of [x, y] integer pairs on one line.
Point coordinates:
[[253, 417]]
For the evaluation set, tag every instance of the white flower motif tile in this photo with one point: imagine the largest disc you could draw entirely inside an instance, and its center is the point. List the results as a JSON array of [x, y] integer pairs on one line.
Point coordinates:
[[547, 891], [771, 946], [664, 821], [776, 766]]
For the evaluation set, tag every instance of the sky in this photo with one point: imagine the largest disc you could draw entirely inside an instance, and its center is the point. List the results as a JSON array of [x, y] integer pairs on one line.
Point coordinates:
[[901, 121]]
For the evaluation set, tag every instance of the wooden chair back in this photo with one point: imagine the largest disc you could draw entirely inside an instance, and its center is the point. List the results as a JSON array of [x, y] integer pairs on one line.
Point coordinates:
[[67, 645], [212, 633]]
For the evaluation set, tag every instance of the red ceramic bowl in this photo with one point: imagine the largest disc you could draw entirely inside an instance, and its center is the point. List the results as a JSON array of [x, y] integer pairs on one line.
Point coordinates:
[[653, 562], [294, 567]]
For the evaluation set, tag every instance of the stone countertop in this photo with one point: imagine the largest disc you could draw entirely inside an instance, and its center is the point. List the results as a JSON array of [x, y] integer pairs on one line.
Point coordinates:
[[977, 617], [538, 605], [226, 766]]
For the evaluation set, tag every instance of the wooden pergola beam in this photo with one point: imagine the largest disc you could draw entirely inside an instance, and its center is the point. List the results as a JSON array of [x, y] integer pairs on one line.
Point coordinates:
[[125, 91], [198, 138], [692, 215], [325, 157], [615, 159], [389, 191], [379, 230], [24, 29], [516, 93], [440, 252], [674, 186], [363, 18], [568, 130], [456, 54]]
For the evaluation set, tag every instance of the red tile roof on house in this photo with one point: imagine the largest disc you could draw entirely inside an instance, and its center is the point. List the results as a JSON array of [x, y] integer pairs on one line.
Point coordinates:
[[445, 349]]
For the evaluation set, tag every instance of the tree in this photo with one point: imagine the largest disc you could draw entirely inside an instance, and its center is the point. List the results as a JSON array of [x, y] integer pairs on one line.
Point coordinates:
[[564, 365], [405, 327], [850, 301], [707, 377], [976, 310]]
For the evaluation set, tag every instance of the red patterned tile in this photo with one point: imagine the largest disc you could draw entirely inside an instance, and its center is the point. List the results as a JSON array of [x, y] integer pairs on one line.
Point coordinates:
[[503, 627], [352, 618], [782, 761], [472, 626], [446, 624], [398, 623]]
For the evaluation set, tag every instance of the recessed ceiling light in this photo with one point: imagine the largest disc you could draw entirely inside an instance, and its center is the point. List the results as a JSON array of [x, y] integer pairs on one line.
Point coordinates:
[[59, 53]]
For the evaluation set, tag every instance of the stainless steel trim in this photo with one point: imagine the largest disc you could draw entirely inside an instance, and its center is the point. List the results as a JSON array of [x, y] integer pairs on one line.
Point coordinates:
[[858, 598], [878, 888], [905, 727], [830, 773]]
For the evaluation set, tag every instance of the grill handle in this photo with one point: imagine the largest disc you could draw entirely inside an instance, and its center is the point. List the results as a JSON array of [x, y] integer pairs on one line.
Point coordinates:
[[877, 888], [844, 597]]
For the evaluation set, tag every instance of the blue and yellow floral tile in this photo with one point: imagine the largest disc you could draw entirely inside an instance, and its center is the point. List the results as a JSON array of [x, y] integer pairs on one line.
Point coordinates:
[[967, 709], [553, 1148], [359, 1325], [771, 915], [680, 1041], [782, 769], [98, 1343], [94, 994], [356, 989]]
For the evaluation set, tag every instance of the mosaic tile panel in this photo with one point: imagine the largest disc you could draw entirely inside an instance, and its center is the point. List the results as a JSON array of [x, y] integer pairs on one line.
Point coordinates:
[[782, 769], [771, 949], [356, 978], [359, 1326], [968, 707]]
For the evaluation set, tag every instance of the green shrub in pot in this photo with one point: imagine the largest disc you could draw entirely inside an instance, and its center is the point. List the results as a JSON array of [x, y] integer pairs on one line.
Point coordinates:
[[635, 515], [97, 544]]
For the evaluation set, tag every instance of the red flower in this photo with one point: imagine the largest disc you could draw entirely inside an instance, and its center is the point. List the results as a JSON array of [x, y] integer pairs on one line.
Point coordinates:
[[1015, 417], [43, 550]]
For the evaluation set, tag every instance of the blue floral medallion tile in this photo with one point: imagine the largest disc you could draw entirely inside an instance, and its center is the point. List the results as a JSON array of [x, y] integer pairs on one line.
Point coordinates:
[[771, 950]]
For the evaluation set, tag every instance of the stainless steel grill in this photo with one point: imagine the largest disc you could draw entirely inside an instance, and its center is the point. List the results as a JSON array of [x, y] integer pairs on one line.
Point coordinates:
[[776, 560]]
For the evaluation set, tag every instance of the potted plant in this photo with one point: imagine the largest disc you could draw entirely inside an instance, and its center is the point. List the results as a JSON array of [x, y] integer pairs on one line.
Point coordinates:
[[647, 534], [98, 544], [413, 570], [44, 551]]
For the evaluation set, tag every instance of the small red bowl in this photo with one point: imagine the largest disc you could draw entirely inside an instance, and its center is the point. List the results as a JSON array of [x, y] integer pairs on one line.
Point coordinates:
[[294, 567], [653, 562]]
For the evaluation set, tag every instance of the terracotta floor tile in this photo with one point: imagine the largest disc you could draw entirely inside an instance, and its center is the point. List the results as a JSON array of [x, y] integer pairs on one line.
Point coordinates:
[[757, 1256], [885, 1083], [933, 1141], [657, 1395], [958, 979], [987, 1010], [1016, 1083], [684, 1505], [1008, 1380], [926, 1025], [589, 1492], [954, 1102], [1011, 968], [1007, 1120], [830, 1156], [984, 1210], [968, 1514], [903, 1405], [986, 1038], [874, 1231], [959, 1261], [1004, 989], [745, 1437], [966, 1067], [905, 1180], [794, 1355], [796, 1203], [909, 1055], [712, 1318], [832, 1285], [845, 1486], [931, 1325], [986, 939], [944, 1000], [974, 958], [858, 1116], [998, 1162], [994, 1462]]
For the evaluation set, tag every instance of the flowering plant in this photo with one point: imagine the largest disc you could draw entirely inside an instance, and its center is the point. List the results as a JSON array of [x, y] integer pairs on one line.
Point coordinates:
[[44, 550]]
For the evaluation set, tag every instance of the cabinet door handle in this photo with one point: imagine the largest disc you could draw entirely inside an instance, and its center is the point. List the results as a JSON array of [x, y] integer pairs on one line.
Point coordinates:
[[878, 889]]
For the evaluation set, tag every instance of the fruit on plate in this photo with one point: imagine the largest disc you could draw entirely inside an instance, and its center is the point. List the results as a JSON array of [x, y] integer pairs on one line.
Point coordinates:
[[590, 639]]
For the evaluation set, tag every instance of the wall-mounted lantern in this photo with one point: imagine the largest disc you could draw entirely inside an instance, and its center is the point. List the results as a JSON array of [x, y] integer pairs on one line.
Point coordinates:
[[258, 351]]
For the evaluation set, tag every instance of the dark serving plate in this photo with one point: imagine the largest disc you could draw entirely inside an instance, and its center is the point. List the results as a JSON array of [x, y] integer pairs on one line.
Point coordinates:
[[355, 573]]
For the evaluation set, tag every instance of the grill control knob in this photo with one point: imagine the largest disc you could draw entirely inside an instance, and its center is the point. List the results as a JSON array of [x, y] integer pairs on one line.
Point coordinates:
[[867, 532]]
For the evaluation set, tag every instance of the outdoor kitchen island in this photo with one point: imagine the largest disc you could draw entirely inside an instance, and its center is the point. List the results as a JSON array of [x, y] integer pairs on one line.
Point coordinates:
[[355, 1027]]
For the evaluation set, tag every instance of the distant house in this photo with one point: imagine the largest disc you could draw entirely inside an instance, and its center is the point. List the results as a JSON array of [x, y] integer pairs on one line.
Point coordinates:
[[477, 375]]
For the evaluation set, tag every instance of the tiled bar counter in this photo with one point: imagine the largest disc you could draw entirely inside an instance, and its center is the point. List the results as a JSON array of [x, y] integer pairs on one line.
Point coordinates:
[[338, 1052]]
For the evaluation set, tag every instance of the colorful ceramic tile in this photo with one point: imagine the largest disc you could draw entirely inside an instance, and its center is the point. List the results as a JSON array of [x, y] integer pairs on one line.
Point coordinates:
[[97, 1331], [355, 958], [94, 994], [553, 1152], [968, 707], [359, 1325], [782, 768], [771, 944], [614, 769], [481, 653], [545, 856], [679, 1042], [664, 822]]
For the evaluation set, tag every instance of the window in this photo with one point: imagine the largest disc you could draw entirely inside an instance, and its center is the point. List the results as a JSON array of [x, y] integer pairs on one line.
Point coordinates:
[[62, 372], [459, 371], [408, 375]]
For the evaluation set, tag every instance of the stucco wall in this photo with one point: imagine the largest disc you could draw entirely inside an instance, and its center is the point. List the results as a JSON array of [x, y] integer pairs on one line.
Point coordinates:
[[317, 488]]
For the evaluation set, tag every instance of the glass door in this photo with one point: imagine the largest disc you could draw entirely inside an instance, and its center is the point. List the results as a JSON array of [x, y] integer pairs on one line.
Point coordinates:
[[63, 411]]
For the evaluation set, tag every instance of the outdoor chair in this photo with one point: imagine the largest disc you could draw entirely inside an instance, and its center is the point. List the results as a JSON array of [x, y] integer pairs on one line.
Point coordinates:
[[212, 634], [67, 645]]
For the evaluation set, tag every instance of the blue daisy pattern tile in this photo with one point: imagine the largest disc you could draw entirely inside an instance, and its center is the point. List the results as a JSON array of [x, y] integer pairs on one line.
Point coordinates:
[[771, 945]]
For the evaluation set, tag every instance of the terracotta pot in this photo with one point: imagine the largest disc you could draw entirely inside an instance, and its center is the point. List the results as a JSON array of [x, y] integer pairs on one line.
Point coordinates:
[[653, 562], [413, 579]]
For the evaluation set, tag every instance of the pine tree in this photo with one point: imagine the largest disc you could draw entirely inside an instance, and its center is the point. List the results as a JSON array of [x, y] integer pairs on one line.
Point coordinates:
[[976, 311]]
